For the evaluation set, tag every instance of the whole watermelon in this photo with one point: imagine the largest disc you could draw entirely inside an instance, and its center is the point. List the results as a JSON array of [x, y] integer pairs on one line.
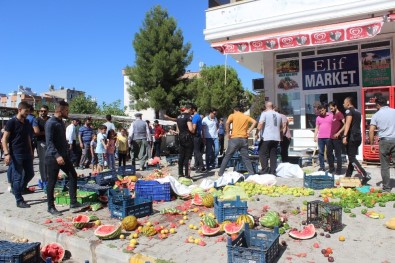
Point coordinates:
[[270, 219]]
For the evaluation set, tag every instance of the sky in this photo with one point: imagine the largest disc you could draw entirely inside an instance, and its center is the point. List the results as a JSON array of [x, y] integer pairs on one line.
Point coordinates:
[[86, 44]]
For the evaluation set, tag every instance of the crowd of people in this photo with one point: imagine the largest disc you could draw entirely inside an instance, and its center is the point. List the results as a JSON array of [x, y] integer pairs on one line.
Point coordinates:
[[80, 146]]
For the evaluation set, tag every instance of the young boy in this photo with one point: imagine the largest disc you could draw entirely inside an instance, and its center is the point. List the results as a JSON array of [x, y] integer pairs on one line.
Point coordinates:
[[93, 153], [101, 147]]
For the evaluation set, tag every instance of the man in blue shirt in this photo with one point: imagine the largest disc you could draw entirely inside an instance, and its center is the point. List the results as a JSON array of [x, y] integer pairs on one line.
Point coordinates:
[[383, 121], [197, 140], [18, 152], [85, 137]]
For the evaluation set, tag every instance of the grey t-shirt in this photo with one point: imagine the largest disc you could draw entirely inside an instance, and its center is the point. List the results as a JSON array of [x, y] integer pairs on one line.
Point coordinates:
[[272, 125], [384, 119]]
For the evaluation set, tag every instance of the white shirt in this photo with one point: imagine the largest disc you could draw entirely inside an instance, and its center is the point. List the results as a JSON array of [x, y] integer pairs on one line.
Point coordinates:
[[110, 126], [210, 127], [70, 134]]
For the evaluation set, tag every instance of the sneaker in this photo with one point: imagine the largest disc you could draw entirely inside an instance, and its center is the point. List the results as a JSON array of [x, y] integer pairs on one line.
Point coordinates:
[[366, 179], [23, 204], [75, 208], [53, 211], [331, 170], [321, 170]]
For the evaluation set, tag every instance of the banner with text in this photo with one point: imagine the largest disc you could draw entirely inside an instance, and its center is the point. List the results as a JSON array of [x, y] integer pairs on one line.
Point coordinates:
[[329, 72], [376, 68]]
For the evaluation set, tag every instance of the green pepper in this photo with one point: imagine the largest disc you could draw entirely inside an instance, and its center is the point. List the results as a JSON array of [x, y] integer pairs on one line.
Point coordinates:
[[347, 210], [353, 215], [381, 204], [364, 211]]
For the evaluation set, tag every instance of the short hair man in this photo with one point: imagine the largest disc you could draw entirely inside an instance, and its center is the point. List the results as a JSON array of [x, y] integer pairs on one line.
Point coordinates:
[[352, 138], [334, 142], [57, 158], [238, 139], [139, 136], [383, 121], [17, 147], [39, 131], [210, 138], [85, 137], [109, 124], [322, 132], [197, 140]]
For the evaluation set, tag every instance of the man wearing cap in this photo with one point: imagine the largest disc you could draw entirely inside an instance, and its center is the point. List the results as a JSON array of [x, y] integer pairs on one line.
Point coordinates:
[[383, 121], [139, 136], [158, 134], [85, 137]]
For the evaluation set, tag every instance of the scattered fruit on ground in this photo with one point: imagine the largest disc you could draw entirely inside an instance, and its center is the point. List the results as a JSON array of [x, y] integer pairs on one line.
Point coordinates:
[[53, 250], [129, 223], [342, 238]]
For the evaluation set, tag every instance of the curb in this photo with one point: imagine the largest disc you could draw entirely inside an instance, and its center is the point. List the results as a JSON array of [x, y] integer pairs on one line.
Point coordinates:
[[81, 248]]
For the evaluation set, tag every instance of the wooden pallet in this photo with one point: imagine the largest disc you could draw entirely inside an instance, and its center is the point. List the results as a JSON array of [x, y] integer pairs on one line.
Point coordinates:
[[350, 182]]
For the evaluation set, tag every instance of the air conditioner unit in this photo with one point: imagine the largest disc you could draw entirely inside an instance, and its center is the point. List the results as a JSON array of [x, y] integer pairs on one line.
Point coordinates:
[[258, 84]]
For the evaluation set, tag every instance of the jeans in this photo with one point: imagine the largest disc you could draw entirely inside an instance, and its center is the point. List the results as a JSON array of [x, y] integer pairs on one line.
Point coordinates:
[[352, 151], [237, 144], [268, 150], [321, 148], [284, 145], [21, 174], [86, 155], [185, 154], [334, 144], [387, 148], [41, 157], [53, 168], [157, 145], [111, 161], [197, 152], [212, 150]]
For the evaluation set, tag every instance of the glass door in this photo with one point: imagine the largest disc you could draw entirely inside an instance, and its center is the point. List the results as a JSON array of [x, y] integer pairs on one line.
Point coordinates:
[[312, 101], [339, 99]]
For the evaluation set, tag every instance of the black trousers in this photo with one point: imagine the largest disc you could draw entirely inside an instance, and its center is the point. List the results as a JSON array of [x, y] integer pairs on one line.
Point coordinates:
[[198, 152], [41, 157], [221, 139], [268, 150], [122, 159], [334, 144], [53, 168], [284, 144], [185, 154], [352, 151]]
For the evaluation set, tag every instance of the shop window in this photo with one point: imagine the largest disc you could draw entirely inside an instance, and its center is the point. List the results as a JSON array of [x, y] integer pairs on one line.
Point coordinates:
[[337, 49], [312, 102], [376, 44], [289, 105]]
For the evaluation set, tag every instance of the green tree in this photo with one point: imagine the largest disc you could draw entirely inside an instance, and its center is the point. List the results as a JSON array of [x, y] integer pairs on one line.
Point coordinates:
[[215, 91], [257, 105], [161, 59], [83, 105], [113, 108]]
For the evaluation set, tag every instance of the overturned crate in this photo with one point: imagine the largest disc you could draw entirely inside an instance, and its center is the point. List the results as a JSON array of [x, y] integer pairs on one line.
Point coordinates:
[[324, 215], [318, 182]]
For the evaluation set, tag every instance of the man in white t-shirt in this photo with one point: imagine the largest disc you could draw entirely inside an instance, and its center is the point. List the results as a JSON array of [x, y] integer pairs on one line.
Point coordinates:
[[109, 124], [271, 123], [210, 138]]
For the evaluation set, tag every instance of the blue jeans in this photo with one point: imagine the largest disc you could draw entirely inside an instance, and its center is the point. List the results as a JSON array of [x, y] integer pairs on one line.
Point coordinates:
[[212, 150], [237, 144], [321, 148], [111, 161], [21, 174]]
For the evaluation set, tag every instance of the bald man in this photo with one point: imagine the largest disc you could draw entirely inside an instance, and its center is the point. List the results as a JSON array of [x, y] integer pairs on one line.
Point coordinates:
[[271, 123]]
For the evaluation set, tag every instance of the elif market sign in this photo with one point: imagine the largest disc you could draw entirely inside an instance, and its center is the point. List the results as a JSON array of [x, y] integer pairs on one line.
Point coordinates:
[[337, 71]]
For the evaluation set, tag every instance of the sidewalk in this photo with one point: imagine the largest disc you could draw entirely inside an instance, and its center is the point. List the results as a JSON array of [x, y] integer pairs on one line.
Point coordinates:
[[83, 245]]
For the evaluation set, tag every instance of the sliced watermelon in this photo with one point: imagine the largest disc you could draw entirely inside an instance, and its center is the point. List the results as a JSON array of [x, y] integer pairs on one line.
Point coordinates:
[[81, 221], [197, 200], [233, 228], [210, 231], [306, 233], [53, 250]]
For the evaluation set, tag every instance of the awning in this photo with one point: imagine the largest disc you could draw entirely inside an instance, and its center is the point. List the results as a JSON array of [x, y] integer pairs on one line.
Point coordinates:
[[322, 35]]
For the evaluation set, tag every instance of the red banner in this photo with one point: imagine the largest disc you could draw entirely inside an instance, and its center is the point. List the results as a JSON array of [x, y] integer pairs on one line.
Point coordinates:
[[367, 31], [325, 37], [295, 41]]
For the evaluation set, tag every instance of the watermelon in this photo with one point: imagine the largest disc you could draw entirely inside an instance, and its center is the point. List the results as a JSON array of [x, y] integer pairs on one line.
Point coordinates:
[[210, 231], [246, 219], [81, 221], [270, 219], [306, 233], [108, 231], [209, 221], [197, 200], [53, 250], [233, 228]]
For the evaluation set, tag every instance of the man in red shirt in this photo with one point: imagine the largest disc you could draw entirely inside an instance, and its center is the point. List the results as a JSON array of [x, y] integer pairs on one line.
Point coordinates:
[[159, 132], [335, 142]]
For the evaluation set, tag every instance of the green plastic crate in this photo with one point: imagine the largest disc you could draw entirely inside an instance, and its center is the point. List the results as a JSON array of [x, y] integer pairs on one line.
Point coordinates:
[[82, 198]]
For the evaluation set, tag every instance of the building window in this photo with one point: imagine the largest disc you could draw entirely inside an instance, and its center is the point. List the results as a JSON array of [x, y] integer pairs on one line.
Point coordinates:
[[289, 105]]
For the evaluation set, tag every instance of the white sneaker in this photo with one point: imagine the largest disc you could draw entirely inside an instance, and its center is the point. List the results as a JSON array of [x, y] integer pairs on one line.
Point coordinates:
[[9, 188]]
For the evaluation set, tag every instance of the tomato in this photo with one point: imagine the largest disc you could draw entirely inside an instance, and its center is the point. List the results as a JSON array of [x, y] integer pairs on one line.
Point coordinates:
[[379, 194], [372, 190], [234, 236], [329, 250], [326, 200]]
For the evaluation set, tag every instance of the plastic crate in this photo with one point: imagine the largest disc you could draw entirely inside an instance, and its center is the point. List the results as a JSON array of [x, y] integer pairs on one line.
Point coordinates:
[[98, 189], [172, 159], [106, 178], [121, 204], [153, 190], [318, 182], [82, 198], [324, 215], [256, 246], [241, 168], [127, 170], [11, 252], [152, 167], [229, 210]]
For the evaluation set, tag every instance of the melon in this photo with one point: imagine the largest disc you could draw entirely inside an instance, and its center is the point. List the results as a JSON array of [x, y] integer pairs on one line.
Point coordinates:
[[210, 231], [197, 200], [246, 219], [208, 200], [53, 250], [108, 231], [129, 223], [306, 233], [81, 221], [233, 228]]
